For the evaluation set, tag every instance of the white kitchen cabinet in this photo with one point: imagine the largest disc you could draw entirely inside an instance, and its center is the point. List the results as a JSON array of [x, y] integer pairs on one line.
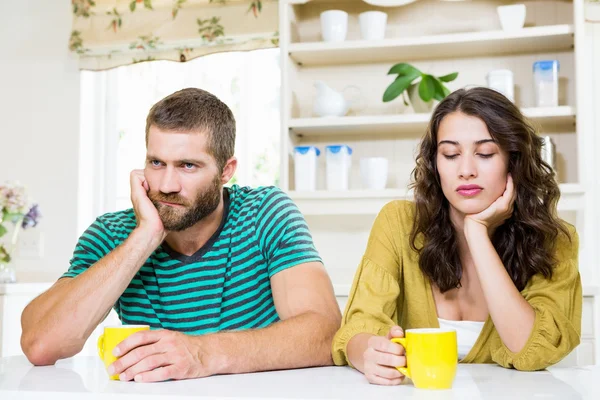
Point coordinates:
[[438, 37]]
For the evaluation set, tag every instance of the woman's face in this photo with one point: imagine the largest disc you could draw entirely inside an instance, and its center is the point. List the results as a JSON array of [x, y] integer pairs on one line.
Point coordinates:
[[472, 167]]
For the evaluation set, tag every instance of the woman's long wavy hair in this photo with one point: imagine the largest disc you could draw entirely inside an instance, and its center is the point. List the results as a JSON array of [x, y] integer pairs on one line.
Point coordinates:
[[525, 241]]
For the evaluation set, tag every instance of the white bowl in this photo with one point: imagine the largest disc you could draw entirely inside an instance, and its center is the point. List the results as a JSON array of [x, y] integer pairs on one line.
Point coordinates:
[[512, 17]]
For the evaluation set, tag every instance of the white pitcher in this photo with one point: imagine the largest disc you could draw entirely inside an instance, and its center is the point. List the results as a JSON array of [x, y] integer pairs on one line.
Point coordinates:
[[331, 103]]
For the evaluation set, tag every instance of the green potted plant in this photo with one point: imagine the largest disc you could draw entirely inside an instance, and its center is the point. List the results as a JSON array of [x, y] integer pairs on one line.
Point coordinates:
[[421, 93]]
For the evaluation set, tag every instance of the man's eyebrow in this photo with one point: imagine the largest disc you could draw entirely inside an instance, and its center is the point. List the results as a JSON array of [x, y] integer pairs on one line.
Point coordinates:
[[191, 161], [183, 161]]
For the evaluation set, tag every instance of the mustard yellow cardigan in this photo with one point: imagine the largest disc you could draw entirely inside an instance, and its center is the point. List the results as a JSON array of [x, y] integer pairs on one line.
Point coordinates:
[[390, 289]]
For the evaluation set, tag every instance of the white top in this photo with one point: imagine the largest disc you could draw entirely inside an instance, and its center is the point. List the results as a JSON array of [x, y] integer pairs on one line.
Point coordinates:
[[84, 378], [467, 333]]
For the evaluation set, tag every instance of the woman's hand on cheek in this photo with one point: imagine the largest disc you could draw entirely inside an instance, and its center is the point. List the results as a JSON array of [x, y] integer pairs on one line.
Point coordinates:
[[498, 212]]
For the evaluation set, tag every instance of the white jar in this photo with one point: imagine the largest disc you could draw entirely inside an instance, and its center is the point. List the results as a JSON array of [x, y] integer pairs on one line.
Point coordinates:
[[545, 83], [372, 25], [501, 80], [512, 17], [334, 25], [305, 167], [338, 162], [374, 172]]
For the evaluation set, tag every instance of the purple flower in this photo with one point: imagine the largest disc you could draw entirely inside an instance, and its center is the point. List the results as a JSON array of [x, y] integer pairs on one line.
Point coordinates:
[[32, 218]]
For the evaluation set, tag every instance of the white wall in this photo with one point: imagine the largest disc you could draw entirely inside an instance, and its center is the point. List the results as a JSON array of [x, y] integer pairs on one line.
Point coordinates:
[[39, 123], [593, 122], [593, 34]]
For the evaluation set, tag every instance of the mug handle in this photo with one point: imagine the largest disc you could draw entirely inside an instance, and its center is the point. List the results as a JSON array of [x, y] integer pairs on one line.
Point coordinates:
[[100, 345], [403, 370]]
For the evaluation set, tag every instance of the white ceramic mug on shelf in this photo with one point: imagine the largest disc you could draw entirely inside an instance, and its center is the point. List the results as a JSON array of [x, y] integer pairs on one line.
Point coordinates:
[[374, 172], [372, 25], [512, 17], [334, 25]]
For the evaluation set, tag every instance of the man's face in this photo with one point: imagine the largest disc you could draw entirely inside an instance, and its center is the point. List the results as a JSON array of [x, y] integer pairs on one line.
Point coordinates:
[[184, 179]]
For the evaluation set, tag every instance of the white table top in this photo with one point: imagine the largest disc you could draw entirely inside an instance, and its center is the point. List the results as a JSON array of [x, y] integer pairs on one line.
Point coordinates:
[[85, 378]]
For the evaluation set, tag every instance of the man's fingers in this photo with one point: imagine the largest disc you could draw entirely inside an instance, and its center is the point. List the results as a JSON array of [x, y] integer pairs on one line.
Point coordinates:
[[158, 375], [138, 339], [146, 364], [133, 357]]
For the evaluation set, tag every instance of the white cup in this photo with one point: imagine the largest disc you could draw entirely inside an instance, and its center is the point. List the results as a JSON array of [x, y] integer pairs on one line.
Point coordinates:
[[512, 17], [372, 25], [501, 80], [374, 172], [334, 25]]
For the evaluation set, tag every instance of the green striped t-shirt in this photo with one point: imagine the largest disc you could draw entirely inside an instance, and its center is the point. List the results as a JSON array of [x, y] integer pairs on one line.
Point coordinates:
[[226, 284]]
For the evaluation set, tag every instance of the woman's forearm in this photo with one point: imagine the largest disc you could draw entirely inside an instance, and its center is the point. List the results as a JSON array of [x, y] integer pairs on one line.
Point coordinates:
[[512, 315]]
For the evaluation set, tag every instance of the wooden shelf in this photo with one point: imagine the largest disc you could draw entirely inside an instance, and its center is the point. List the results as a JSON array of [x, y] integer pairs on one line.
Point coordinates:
[[370, 202], [351, 202], [539, 39], [407, 123]]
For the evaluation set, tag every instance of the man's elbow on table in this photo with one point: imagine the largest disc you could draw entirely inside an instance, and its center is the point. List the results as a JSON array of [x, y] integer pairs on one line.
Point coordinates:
[[37, 350], [42, 348], [334, 322]]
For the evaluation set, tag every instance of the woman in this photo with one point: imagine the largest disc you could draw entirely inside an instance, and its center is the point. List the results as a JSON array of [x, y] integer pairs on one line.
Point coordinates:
[[480, 250]]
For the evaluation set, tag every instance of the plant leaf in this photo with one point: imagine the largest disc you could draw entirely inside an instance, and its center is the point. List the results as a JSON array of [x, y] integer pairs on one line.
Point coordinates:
[[404, 69], [449, 77], [3, 231], [441, 91], [446, 90], [427, 87], [397, 87]]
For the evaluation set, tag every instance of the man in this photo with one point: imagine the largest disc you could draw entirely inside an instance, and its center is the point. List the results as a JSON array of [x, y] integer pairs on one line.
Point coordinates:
[[229, 274]]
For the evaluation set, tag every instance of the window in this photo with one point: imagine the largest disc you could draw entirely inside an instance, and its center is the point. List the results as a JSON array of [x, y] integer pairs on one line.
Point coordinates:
[[115, 103]]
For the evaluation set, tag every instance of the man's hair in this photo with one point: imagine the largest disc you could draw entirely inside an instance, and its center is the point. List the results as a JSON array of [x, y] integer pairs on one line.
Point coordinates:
[[197, 111]]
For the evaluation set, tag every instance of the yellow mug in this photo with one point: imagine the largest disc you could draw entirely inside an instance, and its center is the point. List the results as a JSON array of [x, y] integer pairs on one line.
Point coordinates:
[[431, 357], [112, 336]]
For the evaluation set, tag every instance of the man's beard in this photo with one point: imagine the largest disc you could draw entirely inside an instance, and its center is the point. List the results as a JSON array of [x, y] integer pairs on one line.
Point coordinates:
[[179, 219]]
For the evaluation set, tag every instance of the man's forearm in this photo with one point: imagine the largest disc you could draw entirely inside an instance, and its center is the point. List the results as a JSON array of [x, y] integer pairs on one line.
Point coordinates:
[[58, 322], [300, 341]]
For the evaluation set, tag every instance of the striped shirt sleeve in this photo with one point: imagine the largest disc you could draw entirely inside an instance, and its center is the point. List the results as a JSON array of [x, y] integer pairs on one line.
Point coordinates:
[[282, 233], [95, 243]]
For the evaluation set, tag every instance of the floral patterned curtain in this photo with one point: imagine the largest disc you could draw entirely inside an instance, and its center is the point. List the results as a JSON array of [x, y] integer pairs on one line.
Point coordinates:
[[111, 33]]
